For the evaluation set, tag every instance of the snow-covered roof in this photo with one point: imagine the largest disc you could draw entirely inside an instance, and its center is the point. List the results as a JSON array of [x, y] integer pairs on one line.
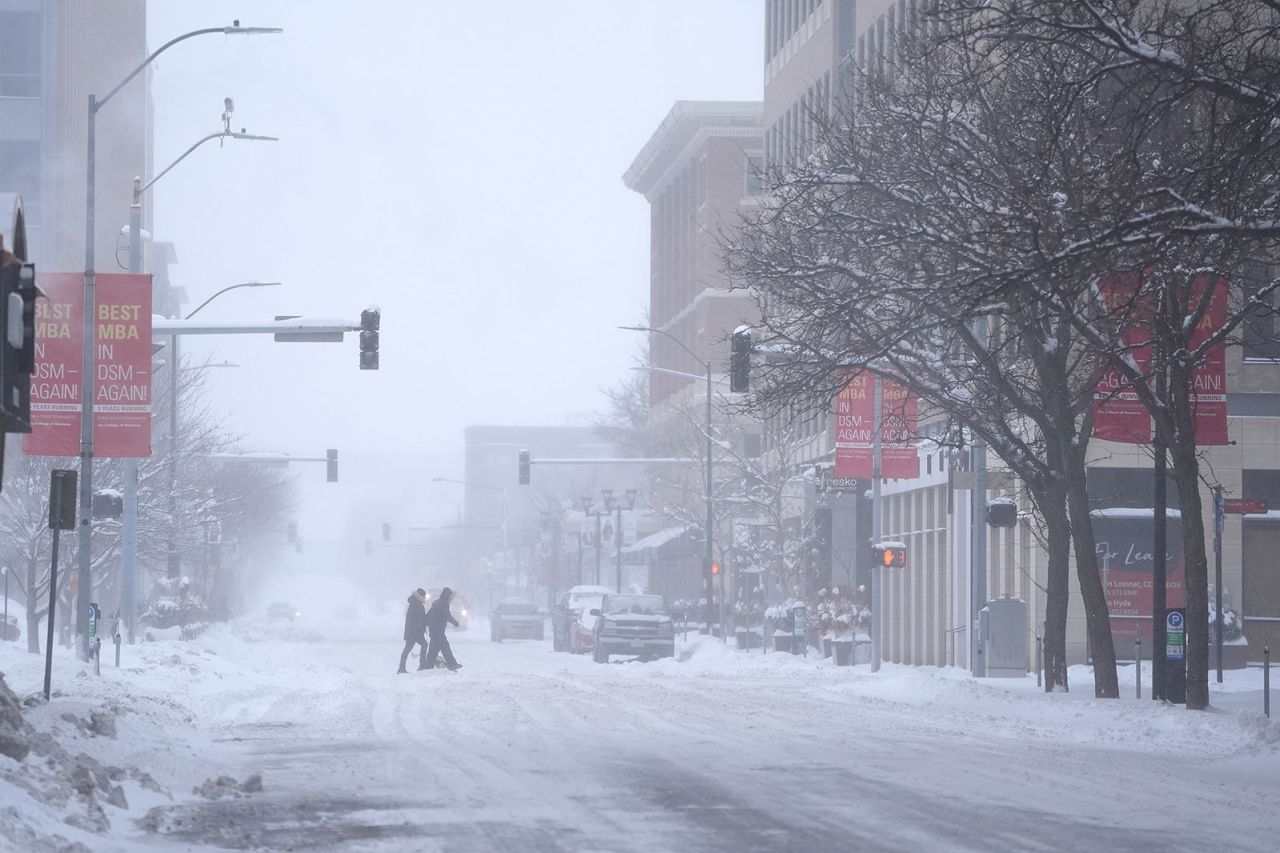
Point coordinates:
[[656, 540], [1132, 512]]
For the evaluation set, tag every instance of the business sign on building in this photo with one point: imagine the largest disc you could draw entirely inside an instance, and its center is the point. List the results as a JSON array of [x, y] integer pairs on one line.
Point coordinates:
[[122, 364], [855, 429], [1122, 542]]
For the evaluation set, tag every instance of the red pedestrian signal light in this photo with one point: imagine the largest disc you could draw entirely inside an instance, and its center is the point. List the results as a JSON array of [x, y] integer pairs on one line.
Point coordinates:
[[715, 569], [890, 555]]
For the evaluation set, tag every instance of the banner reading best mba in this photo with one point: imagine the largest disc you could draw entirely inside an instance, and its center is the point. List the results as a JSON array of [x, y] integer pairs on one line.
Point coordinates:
[[122, 366]]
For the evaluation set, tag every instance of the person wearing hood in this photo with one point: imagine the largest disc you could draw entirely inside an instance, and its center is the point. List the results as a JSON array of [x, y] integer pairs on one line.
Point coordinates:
[[437, 617], [415, 624]]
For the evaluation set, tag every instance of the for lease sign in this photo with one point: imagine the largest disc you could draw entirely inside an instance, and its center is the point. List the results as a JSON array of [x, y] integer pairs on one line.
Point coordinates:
[[122, 366]]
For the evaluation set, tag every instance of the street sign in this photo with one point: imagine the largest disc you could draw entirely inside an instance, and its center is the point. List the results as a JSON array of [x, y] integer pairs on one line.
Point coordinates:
[[1175, 632], [1246, 506]]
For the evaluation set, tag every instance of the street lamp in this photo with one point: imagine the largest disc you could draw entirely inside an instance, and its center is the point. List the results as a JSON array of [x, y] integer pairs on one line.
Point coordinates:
[[598, 515], [710, 550], [174, 369], [503, 523], [611, 504], [129, 526], [87, 365]]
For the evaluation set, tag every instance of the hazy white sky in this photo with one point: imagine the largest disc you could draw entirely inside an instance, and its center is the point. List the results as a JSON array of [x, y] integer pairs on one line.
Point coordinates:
[[456, 163]]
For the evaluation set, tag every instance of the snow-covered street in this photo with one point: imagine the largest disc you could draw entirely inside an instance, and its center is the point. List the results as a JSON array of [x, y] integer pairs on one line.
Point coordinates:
[[526, 749]]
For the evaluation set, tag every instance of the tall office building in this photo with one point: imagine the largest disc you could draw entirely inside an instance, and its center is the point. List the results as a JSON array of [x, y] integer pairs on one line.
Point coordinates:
[[53, 54]]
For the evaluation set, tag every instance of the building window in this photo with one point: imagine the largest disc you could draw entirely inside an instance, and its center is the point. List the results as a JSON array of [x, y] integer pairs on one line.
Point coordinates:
[[20, 170], [1260, 341], [20, 54]]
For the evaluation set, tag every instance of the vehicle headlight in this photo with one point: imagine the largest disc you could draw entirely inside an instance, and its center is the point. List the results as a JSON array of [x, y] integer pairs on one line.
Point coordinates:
[[607, 627], [464, 612]]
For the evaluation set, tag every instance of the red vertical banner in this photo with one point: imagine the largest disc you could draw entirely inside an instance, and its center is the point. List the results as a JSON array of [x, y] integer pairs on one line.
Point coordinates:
[[1209, 378], [1118, 414], [855, 428], [122, 361], [899, 422]]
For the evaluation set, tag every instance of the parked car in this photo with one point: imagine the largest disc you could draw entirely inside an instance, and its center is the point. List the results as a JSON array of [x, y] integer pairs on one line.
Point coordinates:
[[631, 624], [282, 610], [571, 619], [516, 618]]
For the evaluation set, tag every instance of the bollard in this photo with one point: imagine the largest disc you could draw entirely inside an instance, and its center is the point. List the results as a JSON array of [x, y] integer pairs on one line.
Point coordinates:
[[97, 656], [117, 641], [1039, 661], [1266, 680], [1137, 660]]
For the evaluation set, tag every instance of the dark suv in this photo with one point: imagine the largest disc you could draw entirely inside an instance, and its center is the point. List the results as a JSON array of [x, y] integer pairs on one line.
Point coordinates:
[[630, 624]]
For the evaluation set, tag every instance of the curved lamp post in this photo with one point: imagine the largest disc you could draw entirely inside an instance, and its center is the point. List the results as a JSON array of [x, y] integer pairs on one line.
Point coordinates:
[[710, 523], [87, 366]]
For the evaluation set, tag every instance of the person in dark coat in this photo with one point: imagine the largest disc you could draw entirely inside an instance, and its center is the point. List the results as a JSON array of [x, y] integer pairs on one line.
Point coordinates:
[[415, 624], [437, 617]]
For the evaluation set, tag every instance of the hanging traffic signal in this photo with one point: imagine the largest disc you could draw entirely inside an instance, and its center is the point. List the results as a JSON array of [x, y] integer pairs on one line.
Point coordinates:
[[107, 504], [740, 360], [524, 467], [17, 344], [889, 555], [370, 322], [1002, 514], [331, 465]]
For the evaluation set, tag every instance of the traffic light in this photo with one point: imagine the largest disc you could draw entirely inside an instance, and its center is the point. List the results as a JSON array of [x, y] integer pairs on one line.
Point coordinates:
[[370, 322], [17, 344], [331, 465], [1002, 514], [740, 360], [715, 569], [889, 555], [524, 467]]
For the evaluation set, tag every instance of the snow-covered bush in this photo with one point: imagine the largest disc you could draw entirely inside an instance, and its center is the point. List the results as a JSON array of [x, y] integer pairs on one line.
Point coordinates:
[[172, 604]]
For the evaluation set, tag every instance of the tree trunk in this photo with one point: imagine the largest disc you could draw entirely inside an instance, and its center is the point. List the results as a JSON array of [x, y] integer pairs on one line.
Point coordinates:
[[1097, 617], [1058, 577]]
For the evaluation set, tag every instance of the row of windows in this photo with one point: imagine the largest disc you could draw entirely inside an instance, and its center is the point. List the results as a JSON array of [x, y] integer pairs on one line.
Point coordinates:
[[19, 54], [793, 136], [782, 19]]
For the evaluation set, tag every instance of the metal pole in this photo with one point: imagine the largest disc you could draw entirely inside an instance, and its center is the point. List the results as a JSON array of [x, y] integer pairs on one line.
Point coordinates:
[[1266, 680], [173, 569], [6, 599], [1137, 660], [617, 538], [710, 557], [55, 511], [1218, 519], [876, 525], [598, 549], [85, 530], [129, 524], [579, 557], [978, 535], [1160, 550]]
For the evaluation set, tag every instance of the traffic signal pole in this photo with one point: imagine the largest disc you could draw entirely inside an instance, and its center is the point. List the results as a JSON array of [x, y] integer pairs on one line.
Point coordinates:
[[877, 521]]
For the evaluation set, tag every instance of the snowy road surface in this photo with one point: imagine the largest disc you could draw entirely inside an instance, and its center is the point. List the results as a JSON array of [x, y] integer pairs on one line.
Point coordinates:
[[527, 750]]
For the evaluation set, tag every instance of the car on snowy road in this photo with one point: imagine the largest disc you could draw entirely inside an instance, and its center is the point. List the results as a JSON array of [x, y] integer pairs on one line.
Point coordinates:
[[282, 610], [633, 624], [571, 620], [516, 618]]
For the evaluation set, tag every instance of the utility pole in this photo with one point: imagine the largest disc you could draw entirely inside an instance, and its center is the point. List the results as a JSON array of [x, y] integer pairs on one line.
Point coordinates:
[[877, 521]]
